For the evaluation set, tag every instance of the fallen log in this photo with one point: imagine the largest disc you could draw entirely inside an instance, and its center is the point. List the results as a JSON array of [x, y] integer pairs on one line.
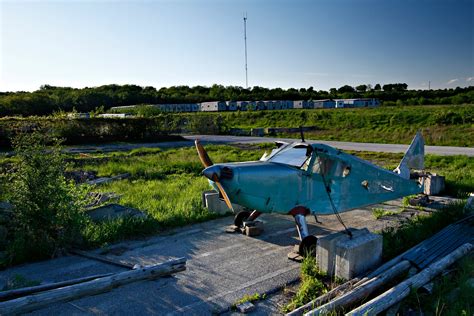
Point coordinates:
[[362, 291], [402, 290], [11, 294], [32, 302]]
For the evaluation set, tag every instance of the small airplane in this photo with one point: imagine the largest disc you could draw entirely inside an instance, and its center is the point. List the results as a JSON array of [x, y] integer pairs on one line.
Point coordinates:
[[300, 179]]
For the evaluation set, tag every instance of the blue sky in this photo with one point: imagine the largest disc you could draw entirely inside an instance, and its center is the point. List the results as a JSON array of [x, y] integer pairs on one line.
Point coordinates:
[[296, 43]]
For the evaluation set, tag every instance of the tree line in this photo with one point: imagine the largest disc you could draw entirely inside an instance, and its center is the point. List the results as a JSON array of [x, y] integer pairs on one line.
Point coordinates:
[[49, 99]]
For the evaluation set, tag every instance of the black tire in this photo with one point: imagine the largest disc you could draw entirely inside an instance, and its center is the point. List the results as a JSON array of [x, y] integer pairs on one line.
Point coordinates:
[[240, 218], [308, 246]]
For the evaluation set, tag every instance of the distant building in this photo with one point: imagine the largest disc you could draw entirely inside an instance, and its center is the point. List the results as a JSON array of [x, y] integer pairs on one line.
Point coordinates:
[[300, 104], [359, 103], [277, 105], [195, 107], [115, 115], [213, 106], [79, 115], [324, 104], [269, 105], [339, 104], [122, 107], [242, 105], [231, 106], [286, 105], [251, 105], [261, 106]]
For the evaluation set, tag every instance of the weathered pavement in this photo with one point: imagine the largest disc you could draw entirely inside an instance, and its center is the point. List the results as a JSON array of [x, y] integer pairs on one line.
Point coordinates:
[[221, 267], [226, 139]]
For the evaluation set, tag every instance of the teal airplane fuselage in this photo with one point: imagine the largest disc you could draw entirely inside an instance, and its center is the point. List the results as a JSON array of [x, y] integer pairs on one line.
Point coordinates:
[[316, 176]]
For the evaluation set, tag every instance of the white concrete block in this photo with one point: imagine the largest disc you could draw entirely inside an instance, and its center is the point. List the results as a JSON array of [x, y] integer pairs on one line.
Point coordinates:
[[326, 249], [358, 255], [434, 184], [217, 205]]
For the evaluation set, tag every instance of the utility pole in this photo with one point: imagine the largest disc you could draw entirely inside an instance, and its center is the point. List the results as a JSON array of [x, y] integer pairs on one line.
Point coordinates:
[[429, 85], [245, 41]]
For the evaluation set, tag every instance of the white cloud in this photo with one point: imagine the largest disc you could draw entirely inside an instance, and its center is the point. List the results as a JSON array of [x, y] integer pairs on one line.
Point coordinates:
[[452, 81], [470, 79]]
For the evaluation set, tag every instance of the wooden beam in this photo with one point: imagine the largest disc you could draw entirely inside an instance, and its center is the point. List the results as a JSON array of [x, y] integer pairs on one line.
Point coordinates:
[[362, 291], [11, 294], [32, 302], [402, 290], [93, 256]]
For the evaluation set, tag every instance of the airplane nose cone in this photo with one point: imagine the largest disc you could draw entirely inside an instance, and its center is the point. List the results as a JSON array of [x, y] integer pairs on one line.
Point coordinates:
[[209, 172]]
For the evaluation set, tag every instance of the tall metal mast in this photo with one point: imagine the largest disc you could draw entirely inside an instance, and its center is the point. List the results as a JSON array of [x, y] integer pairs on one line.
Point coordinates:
[[245, 40]]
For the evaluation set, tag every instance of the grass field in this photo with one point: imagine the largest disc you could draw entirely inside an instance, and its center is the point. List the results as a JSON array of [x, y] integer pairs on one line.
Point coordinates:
[[441, 125], [167, 184]]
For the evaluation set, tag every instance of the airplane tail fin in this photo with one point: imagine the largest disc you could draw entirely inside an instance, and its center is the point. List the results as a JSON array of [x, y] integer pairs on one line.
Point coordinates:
[[414, 157]]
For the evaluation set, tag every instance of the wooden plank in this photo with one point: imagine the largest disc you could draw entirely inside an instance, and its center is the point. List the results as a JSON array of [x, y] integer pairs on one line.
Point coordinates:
[[11, 294], [93, 256], [402, 290], [32, 302], [362, 291]]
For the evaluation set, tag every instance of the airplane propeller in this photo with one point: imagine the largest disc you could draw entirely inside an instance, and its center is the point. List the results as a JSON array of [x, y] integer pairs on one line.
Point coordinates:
[[203, 156], [210, 173]]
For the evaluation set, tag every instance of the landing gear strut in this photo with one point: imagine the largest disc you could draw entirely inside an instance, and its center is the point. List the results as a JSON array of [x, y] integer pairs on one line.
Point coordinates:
[[308, 242]]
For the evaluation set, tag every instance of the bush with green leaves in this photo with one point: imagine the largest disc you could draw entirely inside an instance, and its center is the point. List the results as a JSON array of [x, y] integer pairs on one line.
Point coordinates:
[[48, 209]]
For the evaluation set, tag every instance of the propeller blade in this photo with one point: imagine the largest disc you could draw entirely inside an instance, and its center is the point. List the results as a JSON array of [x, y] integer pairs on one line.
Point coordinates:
[[215, 178], [224, 195], [203, 156]]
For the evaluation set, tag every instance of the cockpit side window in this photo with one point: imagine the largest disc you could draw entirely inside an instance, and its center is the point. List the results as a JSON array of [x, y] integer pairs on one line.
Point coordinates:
[[331, 167]]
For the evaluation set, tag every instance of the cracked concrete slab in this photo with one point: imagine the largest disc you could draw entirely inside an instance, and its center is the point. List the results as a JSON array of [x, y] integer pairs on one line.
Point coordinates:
[[221, 267]]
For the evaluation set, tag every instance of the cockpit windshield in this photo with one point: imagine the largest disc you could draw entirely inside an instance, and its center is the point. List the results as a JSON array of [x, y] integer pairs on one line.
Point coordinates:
[[293, 156]]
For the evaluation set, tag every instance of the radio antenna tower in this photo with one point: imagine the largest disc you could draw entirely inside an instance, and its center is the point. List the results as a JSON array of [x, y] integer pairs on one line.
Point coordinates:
[[245, 41]]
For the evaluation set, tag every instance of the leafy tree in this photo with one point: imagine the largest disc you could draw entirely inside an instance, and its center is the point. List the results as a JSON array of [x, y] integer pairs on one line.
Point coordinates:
[[361, 88], [345, 88], [377, 87]]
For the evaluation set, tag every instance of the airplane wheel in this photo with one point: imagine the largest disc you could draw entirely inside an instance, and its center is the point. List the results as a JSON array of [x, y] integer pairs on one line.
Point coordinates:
[[240, 218], [308, 246]]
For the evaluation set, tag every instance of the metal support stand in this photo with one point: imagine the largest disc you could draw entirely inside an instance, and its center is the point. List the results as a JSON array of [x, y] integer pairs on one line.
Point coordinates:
[[301, 226], [316, 219]]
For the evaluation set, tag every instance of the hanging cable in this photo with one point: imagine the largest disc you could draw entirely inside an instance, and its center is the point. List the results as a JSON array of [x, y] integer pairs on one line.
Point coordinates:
[[328, 192]]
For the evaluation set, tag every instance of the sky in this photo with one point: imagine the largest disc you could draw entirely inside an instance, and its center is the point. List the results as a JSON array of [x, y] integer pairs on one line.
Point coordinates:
[[292, 43]]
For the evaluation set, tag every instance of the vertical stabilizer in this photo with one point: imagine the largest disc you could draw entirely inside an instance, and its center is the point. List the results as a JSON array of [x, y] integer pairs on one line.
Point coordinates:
[[414, 157]]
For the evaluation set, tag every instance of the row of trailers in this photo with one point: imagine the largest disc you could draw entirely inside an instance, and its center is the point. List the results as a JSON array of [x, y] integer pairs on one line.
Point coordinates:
[[222, 106]]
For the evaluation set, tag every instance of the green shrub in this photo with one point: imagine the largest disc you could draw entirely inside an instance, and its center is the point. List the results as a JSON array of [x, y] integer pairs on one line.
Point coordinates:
[[311, 286], [48, 210]]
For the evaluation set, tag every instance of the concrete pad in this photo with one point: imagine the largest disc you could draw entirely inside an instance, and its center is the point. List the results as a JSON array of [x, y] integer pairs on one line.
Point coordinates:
[[358, 255], [221, 267]]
